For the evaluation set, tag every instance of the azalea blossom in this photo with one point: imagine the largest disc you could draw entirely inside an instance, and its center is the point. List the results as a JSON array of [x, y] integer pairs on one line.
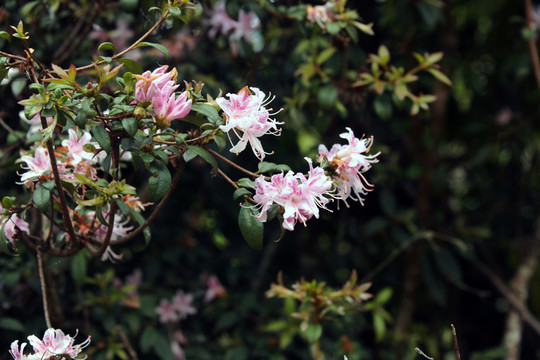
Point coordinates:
[[298, 196], [9, 225], [167, 312], [347, 163], [215, 289], [75, 146], [321, 14], [167, 106], [54, 343], [183, 304], [37, 165], [247, 27], [246, 112], [144, 91]]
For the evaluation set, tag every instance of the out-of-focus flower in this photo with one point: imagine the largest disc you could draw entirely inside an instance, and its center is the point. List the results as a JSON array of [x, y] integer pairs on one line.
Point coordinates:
[[347, 163], [177, 350], [167, 106], [321, 14], [300, 197], [110, 255], [37, 165], [167, 312], [214, 290], [247, 27], [183, 304], [9, 225], [504, 116], [179, 44], [246, 112], [144, 92], [55, 343]]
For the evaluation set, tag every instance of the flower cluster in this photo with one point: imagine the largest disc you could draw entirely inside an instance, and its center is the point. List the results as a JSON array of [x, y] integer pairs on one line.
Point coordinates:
[[346, 165], [54, 344], [71, 158], [246, 27], [340, 176], [158, 88], [247, 112], [300, 197]]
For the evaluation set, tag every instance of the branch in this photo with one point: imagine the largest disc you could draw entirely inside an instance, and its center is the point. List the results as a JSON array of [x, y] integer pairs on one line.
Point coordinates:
[[43, 287], [158, 208], [132, 46], [215, 153], [532, 43]]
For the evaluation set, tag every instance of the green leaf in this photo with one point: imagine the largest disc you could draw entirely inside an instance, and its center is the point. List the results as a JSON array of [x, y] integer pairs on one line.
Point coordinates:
[[247, 183], [41, 198], [160, 47], [148, 338], [7, 202], [241, 192], [159, 182], [5, 35], [209, 111], [106, 46], [80, 119], [440, 76], [11, 324], [250, 227], [379, 326], [102, 137], [131, 125], [204, 154], [325, 55], [78, 267], [220, 141], [131, 65], [312, 333]]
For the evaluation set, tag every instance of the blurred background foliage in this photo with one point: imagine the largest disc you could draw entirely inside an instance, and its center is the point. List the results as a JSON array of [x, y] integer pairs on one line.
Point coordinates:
[[455, 206]]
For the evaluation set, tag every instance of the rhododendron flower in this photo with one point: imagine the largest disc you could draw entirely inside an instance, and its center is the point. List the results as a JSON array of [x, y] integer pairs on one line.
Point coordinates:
[[9, 225], [215, 289], [183, 304], [37, 165], [75, 146], [321, 14], [347, 163], [246, 27], [246, 112], [168, 107], [35, 122], [167, 312], [55, 343], [300, 197], [144, 91]]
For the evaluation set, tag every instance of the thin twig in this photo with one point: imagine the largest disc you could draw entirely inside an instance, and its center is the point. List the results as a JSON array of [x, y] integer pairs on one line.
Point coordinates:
[[456, 343], [215, 153], [126, 343], [420, 352], [132, 46], [43, 287], [158, 208], [532, 42]]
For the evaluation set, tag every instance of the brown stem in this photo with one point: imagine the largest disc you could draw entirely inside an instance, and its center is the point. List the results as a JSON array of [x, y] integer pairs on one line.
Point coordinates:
[[126, 343], [158, 208], [532, 43], [215, 153], [132, 46], [43, 287], [456, 343]]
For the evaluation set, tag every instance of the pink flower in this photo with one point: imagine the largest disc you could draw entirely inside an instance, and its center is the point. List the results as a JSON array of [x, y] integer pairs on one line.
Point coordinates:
[[54, 343], [75, 146], [177, 350], [37, 165], [298, 196], [167, 312], [144, 92], [347, 163], [246, 112], [220, 21], [167, 107], [321, 14], [183, 304], [10, 226], [215, 289]]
